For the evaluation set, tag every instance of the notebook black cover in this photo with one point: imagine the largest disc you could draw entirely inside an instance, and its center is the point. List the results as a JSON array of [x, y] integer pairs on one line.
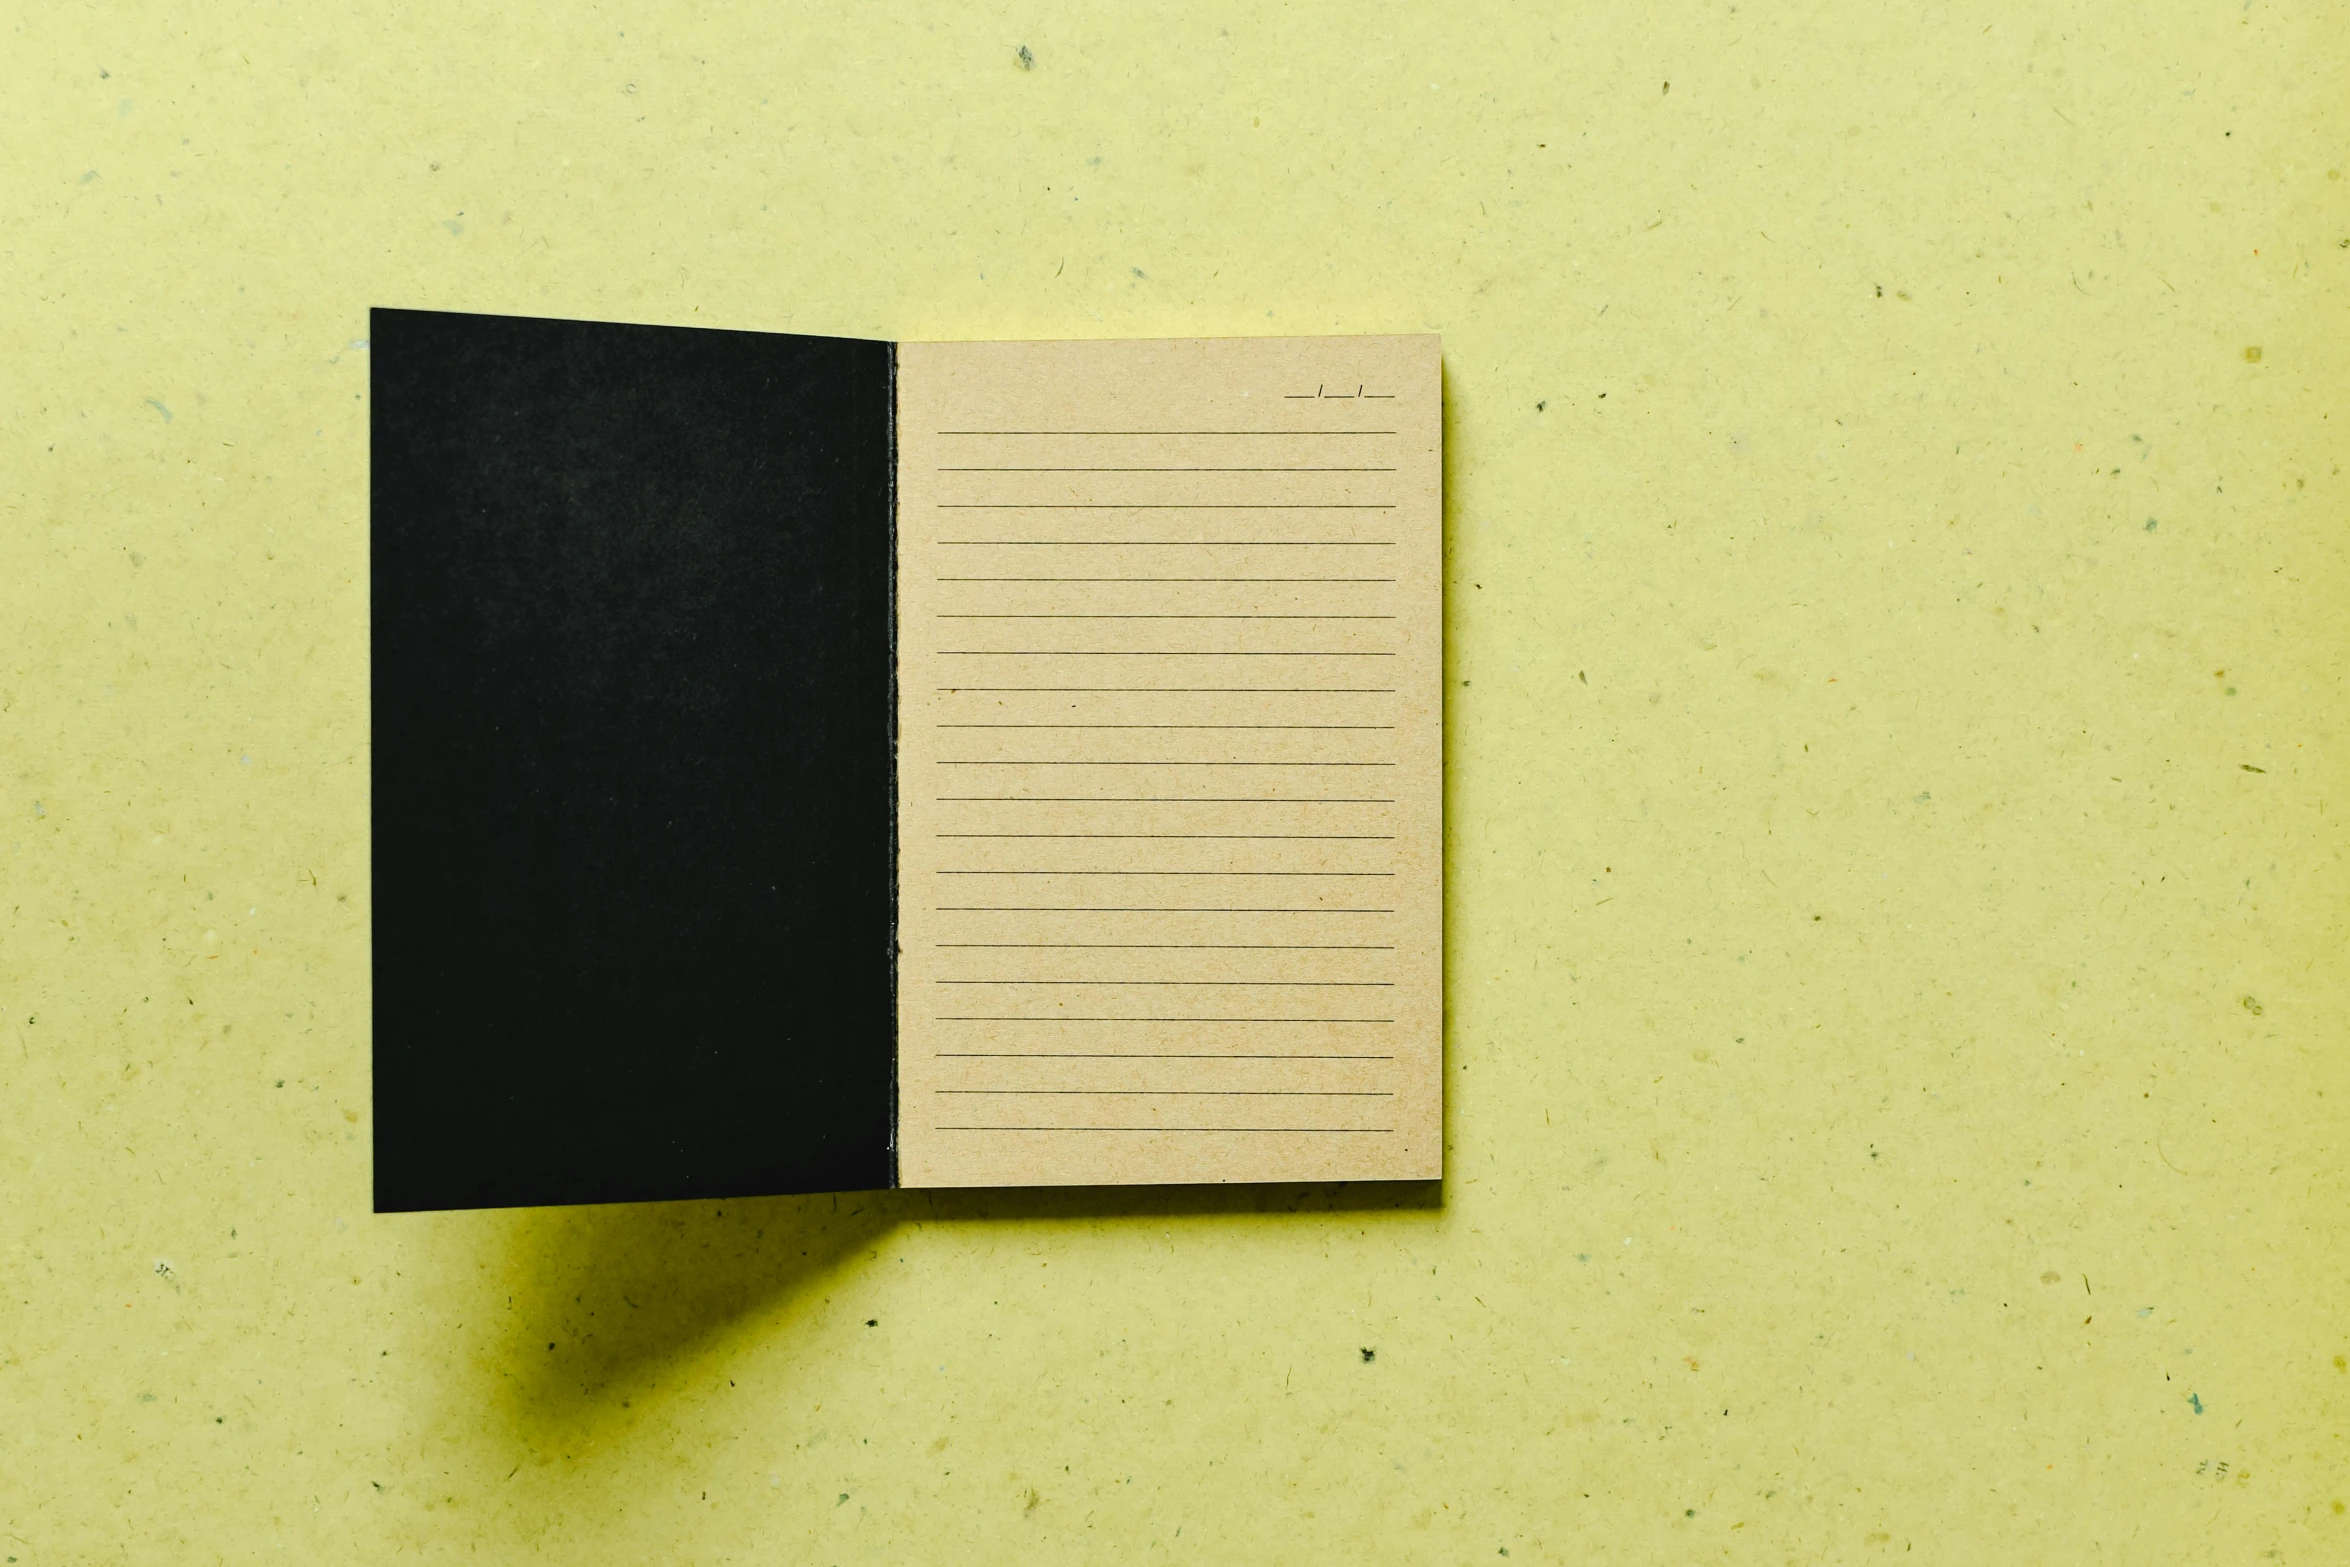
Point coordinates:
[[632, 762]]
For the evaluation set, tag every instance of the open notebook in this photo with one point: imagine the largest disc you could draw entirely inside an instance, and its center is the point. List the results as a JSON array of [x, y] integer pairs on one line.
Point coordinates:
[[809, 764]]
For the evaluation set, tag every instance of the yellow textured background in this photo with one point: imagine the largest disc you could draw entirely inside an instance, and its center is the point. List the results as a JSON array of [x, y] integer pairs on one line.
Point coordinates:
[[1896, 1056]]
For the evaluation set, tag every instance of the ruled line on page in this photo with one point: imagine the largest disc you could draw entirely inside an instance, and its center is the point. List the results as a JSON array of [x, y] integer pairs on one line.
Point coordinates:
[[1350, 580], [1089, 908], [1147, 1055], [1272, 433], [1184, 690], [991, 652], [1162, 470], [1059, 871], [1284, 1130], [1172, 1093], [1166, 506], [1165, 799], [1260, 984], [1157, 762], [1301, 727], [1183, 543], [999, 615]]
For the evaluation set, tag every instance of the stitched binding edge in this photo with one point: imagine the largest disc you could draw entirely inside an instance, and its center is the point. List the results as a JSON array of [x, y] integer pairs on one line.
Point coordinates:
[[891, 384]]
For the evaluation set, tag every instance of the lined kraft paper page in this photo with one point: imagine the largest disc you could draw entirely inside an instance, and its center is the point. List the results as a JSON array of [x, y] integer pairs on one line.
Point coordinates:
[[1170, 761]]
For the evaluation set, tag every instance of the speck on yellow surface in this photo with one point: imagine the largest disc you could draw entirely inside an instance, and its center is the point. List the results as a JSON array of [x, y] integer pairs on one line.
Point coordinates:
[[1897, 998]]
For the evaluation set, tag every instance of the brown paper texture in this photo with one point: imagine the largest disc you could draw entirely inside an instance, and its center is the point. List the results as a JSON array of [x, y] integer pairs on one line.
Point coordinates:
[[1170, 781]]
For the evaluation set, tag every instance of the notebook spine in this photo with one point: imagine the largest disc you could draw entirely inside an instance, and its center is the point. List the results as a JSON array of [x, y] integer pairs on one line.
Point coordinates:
[[891, 405]]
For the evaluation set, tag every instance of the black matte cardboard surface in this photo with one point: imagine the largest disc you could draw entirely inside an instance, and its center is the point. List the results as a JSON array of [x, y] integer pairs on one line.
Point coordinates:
[[631, 762]]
